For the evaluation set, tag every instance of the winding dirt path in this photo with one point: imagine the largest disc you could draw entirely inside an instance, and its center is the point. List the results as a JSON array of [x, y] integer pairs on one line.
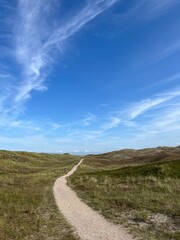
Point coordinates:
[[88, 224]]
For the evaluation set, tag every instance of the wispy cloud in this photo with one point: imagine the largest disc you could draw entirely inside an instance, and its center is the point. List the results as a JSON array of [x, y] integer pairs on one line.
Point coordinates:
[[4, 75], [147, 104], [166, 52], [149, 121], [43, 126], [36, 38], [163, 53], [141, 120], [169, 121], [162, 127], [167, 80], [113, 122], [146, 10], [36, 35], [90, 118], [33, 46], [152, 115], [144, 106], [89, 12]]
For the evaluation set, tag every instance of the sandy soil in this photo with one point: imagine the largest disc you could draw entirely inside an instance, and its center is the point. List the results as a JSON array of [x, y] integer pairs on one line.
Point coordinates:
[[87, 223]]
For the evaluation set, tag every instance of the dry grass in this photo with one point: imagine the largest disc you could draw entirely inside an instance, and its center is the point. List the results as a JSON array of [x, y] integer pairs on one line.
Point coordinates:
[[145, 198], [122, 185], [27, 206]]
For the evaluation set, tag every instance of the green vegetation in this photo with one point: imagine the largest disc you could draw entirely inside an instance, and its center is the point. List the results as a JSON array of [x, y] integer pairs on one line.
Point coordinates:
[[27, 206], [142, 194], [139, 189]]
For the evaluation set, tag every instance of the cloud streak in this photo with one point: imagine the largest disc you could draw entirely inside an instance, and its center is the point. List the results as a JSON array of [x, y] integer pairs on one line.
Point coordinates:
[[36, 35], [139, 123], [87, 121], [146, 10], [171, 79], [148, 104], [37, 38]]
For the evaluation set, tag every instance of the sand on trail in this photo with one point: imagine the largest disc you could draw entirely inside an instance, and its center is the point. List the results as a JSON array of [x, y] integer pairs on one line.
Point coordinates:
[[87, 223]]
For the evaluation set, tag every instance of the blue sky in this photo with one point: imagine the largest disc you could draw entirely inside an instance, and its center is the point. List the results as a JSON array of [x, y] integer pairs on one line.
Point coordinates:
[[89, 75]]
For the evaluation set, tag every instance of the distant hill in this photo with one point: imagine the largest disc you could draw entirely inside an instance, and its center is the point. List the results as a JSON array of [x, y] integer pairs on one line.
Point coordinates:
[[132, 156]]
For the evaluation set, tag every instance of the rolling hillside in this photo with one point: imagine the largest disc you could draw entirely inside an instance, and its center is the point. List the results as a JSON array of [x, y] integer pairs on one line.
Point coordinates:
[[137, 188], [27, 206]]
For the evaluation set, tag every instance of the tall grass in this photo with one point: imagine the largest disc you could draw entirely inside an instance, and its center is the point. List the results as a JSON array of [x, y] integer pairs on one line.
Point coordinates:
[[27, 206], [145, 198]]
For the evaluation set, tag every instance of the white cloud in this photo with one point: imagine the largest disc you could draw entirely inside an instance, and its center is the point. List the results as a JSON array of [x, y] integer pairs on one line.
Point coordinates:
[[113, 122], [161, 6], [167, 80], [36, 38], [93, 134], [87, 121], [4, 75], [37, 35], [144, 106], [164, 52], [162, 129], [170, 120], [147, 104], [145, 10]]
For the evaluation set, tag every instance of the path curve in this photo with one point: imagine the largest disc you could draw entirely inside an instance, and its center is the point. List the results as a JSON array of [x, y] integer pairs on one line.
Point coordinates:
[[87, 223]]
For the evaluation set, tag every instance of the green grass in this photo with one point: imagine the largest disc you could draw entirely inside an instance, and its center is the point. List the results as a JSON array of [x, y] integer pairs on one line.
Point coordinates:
[[27, 206], [139, 189], [144, 198]]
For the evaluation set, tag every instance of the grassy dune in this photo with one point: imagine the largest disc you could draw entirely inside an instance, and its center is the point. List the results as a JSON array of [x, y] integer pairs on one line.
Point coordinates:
[[27, 207], [139, 189]]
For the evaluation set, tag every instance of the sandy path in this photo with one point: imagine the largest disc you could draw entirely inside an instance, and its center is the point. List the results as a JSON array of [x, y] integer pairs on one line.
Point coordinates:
[[88, 224]]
